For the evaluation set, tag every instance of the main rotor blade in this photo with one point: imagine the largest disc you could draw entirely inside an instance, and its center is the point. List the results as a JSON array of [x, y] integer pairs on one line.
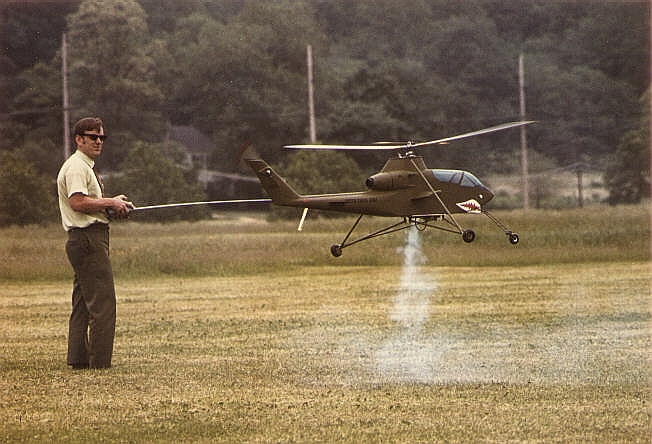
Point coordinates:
[[491, 129], [407, 146], [193, 204], [346, 147]]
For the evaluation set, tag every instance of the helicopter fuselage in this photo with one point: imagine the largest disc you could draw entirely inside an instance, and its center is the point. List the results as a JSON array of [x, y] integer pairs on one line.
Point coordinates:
[[404, 187]]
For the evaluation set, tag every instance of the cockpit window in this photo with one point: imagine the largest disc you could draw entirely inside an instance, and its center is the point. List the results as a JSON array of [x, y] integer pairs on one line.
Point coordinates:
[[463, 178], [469, 180]]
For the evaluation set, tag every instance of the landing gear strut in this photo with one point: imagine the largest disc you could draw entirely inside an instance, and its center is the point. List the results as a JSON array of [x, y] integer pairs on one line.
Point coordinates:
[[336, 249], [513, 237], [421, 223]]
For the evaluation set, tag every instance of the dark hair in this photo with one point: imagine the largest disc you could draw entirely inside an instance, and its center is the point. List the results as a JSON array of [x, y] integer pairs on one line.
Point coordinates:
[[87, 124]]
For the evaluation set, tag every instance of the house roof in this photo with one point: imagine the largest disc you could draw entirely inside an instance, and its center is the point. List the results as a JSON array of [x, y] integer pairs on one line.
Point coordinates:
[[194, 140]]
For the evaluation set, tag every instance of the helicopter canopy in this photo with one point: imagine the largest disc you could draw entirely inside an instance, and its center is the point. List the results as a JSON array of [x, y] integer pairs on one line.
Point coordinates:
[[459, 177]]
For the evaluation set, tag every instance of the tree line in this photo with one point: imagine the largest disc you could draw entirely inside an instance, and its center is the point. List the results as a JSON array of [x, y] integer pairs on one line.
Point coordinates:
[[393, 70]]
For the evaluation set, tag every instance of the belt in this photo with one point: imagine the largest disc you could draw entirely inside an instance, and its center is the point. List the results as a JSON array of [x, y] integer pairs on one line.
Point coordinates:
[[93, 226]]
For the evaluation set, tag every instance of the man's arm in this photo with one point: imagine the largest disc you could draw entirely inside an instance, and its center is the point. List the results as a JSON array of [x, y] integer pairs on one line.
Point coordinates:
[[85, 204]]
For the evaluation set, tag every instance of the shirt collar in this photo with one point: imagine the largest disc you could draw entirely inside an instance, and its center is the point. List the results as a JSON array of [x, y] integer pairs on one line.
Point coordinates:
[[85, 158]]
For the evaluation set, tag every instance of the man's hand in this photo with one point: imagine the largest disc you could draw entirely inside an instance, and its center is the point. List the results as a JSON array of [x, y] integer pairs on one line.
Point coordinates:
[[114, 207], [120, 207]]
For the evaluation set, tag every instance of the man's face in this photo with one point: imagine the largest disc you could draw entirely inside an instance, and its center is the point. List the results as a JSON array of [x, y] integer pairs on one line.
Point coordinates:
[[86, 144]]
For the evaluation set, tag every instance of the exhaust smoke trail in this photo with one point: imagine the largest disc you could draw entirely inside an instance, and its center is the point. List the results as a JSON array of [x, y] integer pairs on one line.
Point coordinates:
[[468, 347], [408, 356], [412, 301]]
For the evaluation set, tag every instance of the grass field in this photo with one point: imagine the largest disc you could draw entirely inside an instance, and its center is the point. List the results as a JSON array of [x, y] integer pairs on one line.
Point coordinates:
[[241, 330]]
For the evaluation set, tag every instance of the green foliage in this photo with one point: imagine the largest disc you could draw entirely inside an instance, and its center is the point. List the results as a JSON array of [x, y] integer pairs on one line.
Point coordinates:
[[37, 128], [149, 178], [628, 177], [31, 32], [628, 174], [575, 121], [608, 35], [384, 70], [112, 72], [241, 81], [26, 197]]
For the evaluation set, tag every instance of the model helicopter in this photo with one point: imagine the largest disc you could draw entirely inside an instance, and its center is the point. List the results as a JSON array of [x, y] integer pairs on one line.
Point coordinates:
[[404, 188]]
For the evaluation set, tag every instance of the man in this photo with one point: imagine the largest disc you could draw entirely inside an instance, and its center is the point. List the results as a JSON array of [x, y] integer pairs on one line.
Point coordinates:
[[84, 216]]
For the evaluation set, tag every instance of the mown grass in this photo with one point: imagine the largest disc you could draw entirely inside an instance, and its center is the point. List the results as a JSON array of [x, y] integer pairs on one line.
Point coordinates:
[[254, 333]]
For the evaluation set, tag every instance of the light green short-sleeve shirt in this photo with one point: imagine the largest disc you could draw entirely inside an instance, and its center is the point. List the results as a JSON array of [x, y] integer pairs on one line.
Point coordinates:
[[76, 176]]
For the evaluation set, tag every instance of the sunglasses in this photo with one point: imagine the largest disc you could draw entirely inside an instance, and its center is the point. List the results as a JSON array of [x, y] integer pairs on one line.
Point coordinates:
[[94, 137]]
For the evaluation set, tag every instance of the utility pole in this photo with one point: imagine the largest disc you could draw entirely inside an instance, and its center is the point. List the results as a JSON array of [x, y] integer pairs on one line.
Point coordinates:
[[524, 165], [311, 100], [66, 102], [580, 187]]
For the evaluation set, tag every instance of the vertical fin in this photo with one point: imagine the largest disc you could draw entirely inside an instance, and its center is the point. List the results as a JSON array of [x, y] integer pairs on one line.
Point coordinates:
[[277, 188]]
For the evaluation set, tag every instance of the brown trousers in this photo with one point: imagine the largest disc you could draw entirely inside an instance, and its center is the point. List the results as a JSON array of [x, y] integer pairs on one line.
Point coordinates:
[[91, 329]]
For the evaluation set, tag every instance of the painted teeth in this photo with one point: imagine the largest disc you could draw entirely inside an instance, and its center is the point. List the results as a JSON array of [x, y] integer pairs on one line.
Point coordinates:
[[470, 206]]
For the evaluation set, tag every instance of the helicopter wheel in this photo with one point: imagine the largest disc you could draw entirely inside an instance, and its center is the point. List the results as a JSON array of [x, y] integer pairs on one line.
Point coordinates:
[[420, 224], [336, 250], [513, 238], [468, 236]]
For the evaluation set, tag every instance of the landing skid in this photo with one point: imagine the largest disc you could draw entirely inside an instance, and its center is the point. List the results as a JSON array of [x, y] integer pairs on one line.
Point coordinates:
[[421, 223]]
